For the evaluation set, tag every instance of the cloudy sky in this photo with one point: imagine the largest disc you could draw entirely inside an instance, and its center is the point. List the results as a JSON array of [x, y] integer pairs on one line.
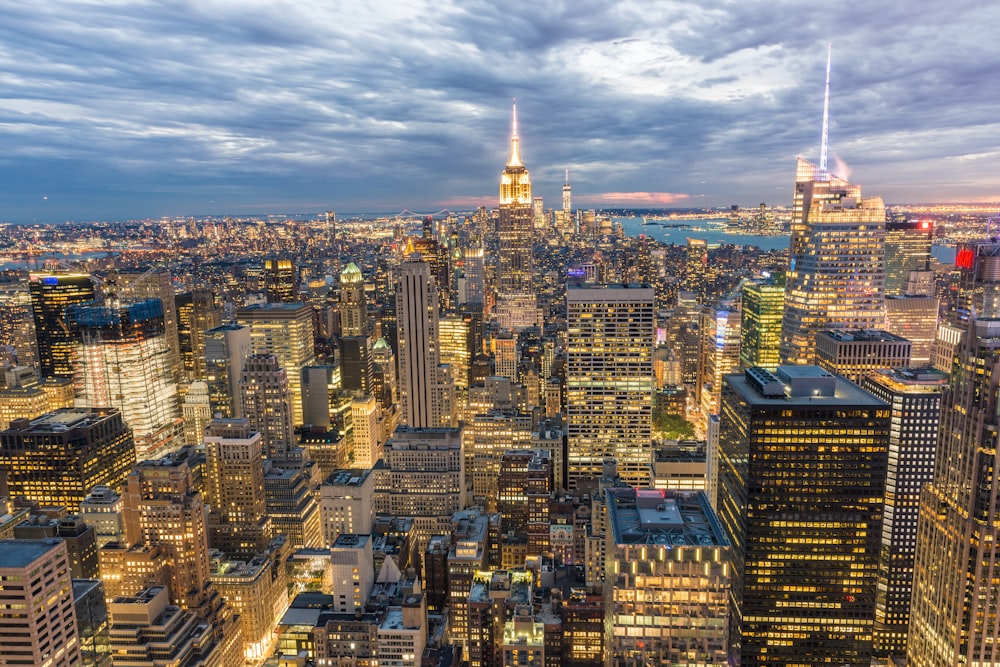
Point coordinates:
[[113, 109]]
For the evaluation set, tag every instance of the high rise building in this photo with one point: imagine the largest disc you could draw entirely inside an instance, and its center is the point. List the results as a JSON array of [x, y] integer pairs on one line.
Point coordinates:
[[197, 412], [853, 353], [669, 576], [102, 509], [836, 267], [196, 314], [285, 330], [280, 283], [51, 294], [973, 261], [914, 395], [257, 590], [226, 347], [353, 572], [92, 622], [915, 318], [720, 352], [422, 476], [56, 459], [426, 391], [955, 597], [760, 326], [609, 380], [267, 405], [148, 631], [353, 306], [366, 444], [164, 510], [493, 433], [515, 285], [130, 287], [238, 522], [524, 487], [38, 626], [567, 196], [907, 248], [123, 361], [357, 371], [456, 346], [346, 503], [802, 463], [475, 275]]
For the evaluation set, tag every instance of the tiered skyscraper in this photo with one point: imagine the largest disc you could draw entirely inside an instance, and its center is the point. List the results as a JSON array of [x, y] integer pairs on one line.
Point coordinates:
[[954, 617], [515, 287], [836, 271]]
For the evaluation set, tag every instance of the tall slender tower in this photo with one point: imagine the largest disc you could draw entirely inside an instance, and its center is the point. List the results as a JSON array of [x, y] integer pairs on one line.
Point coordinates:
[[426, 395], [836, 269], [954, 616], [515, 288], [353, 311], [567, 196]]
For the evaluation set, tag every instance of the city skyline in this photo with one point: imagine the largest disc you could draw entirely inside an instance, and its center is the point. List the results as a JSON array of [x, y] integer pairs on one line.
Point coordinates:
[[125, 110]]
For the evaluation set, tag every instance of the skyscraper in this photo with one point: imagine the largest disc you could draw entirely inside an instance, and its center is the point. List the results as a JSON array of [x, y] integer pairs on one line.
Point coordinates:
[[266, 402], [426, 391], [163, 509], [955, 598], [123, 361], [914, 395], [835, 276], [515, 286], [907, 248], [226, 347], [353, 308], [285, 330], [196, 314], [801, 467], [668, 562], [56, 459], [238, 524], [280, 283], [135, 286], [836, 269], [609, 381], [38, 626], [51, 294], [760, 326]]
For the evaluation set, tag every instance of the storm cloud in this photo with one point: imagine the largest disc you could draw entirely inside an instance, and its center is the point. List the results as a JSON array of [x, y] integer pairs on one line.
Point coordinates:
[[115, 109]]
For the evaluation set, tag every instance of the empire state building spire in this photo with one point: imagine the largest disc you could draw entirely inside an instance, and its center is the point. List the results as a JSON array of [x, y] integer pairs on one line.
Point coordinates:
[[515, 153]]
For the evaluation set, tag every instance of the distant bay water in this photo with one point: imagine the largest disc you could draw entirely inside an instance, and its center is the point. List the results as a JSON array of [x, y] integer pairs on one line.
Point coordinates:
[[714, 231]]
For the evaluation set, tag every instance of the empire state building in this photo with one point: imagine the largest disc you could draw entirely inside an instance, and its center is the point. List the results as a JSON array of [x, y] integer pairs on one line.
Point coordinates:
[[516, 307]]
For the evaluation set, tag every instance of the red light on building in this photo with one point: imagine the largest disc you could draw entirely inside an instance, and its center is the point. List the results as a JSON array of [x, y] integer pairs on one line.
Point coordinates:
[[964, 258]]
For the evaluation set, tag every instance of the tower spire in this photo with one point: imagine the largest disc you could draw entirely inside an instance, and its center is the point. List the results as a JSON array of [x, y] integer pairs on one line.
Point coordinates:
[[824, 145], [515, 153]]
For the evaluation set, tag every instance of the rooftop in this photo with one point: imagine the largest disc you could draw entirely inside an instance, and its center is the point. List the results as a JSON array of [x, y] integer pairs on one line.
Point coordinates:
[[659, 517], [799, 386], [21, 553], [861, 335], [353, 477]]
